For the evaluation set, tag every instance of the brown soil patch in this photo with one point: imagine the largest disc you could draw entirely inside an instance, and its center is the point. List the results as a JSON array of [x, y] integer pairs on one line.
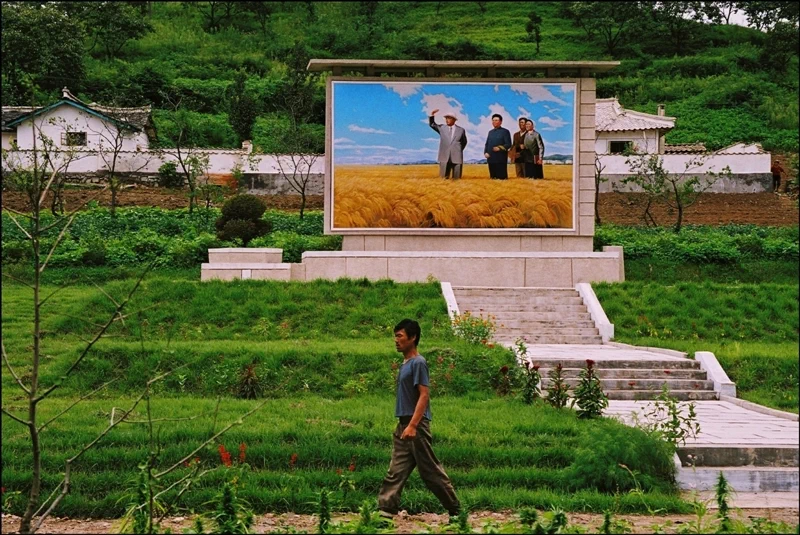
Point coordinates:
[[768, 209], [411, 523]]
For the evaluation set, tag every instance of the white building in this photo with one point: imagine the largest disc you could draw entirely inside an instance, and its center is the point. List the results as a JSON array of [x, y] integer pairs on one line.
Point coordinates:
[[69, 122]]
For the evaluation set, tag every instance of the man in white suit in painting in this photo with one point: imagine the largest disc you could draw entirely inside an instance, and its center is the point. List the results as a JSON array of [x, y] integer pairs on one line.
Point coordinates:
[[452, 140]]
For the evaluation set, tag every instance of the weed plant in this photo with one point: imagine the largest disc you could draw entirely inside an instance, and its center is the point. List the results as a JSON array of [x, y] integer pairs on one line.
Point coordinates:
[[589, 396]]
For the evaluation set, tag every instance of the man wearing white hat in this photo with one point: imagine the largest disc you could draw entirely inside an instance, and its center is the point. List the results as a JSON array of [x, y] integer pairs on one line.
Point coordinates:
[[452, 140]]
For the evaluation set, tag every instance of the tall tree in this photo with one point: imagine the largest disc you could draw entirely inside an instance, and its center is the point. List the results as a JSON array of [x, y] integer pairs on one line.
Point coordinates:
[[534, 29], [611, 22], [261, 11], [42, 48], [215, 14], [112, 24], [717, 12], [674, 19], [242, 112], [765, 15]]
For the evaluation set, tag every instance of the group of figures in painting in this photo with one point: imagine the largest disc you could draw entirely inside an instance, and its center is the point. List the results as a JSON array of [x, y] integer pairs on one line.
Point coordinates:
[[525, 150]]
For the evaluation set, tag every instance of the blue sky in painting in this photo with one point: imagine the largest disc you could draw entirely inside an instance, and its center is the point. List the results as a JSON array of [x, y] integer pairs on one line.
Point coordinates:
[[387, 122]]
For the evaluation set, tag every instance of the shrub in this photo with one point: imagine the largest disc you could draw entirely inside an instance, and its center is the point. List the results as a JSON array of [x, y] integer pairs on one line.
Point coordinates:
[[475, 330], [241, 219], [169, 177], [589, 395], [557, 391]]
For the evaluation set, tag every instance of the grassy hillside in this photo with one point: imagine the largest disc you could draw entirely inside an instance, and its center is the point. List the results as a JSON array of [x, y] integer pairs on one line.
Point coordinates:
[[714, 78]]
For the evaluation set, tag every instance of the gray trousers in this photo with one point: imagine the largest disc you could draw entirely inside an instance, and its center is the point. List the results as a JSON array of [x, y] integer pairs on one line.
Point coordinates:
[[407, 454], [445, 168]]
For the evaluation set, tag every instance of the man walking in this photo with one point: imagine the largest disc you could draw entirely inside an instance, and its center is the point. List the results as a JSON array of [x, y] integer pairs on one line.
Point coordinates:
[[412, 436], [452, 140], [498, 143]]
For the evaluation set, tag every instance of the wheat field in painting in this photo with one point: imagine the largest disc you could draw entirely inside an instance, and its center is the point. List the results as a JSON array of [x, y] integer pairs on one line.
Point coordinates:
[[413, 196]]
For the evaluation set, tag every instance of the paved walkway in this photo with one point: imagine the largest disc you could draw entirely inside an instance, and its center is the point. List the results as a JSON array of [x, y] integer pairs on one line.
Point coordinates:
[[594, 352], [723, 424]]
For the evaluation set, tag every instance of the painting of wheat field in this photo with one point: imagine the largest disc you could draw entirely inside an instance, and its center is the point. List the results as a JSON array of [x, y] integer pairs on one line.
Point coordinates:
[[414, 196]]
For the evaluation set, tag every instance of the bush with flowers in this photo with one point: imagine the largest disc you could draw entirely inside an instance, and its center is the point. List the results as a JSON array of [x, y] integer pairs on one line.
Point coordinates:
[[474, 329]]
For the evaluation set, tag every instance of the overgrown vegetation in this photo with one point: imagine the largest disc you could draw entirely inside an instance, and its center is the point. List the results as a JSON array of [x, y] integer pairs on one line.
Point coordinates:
[[724, 83]]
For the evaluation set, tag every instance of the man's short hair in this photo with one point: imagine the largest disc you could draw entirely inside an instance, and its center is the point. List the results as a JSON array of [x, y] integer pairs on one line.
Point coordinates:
[[411, 328], [498, 116]]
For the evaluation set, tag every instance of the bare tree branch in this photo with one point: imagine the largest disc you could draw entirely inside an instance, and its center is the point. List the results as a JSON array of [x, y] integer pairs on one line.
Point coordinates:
[[5, 274], [96, 390], [20, 420], [58, 240], [13, 373], [210, 440], [54, 292], [75, 211], [94, 340], [68, 471], [14, 219], [44, 503], [22, 214]]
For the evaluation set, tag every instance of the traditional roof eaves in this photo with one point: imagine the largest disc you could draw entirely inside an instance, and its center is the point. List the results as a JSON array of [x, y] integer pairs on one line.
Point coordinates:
[[72, 103]]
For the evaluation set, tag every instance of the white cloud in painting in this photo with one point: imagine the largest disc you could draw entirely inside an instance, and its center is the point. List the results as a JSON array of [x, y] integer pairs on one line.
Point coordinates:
[[343, 140], [523, 112], [445, 105], [404, 90], [558, 147], [536, 93], [553, 124], [362, 130]]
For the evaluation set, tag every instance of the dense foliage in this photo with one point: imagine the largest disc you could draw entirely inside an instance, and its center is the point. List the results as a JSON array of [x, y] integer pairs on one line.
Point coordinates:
[[724, 83]]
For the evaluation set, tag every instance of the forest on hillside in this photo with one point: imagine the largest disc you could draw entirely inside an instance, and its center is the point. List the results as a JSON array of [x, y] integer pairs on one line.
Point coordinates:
[[217, 73]]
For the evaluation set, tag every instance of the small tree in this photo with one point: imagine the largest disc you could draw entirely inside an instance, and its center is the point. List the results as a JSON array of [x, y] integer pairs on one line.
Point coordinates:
[[111, 141], [534, 29], [598, 179], [243, 110], [558, 390], [676, 191], [589, 395], [241, 219]]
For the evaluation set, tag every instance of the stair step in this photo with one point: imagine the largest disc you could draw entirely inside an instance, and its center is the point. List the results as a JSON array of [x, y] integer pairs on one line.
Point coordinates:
[[654, 385], [551, 339], [680, 395], [600, 364], [466, 291], [741, 478], [629, 374], [477, 310], [533, 315], [545, 331], [767, 456], [537, 326], [494, 300]]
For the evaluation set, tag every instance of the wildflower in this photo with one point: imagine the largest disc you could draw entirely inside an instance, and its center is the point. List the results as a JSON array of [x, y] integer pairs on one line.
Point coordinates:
[[394, 365], [452, 366], [448, 377], [589, 363], [242, 449], [352, 466], [224, 455], [440, 360], [536, 367], [490, 346], [504, 370], [338, 471], [667, 372], [632, 383], [293, 460]]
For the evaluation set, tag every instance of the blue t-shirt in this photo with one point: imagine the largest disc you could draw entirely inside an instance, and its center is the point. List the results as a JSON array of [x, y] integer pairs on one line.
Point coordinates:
[[413, 372]]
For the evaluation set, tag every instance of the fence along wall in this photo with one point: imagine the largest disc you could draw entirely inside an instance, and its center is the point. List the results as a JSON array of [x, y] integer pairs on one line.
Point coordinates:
[[262, 172]]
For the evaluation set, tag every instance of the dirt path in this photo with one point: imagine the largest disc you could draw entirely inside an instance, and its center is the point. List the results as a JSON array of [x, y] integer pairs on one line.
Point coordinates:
[[269, 523], [621, 208]]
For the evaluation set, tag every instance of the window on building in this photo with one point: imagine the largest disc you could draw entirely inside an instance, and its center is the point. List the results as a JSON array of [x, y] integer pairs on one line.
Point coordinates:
[[620, 147], [73, 139]]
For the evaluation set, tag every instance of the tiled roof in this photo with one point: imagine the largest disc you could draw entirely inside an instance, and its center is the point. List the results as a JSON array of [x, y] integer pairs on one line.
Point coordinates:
[[13, 112], [685, 148], [742, 148], [610, 116]]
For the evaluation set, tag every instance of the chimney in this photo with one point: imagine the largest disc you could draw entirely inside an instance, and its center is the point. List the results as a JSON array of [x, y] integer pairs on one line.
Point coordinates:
[[65, 93], [661, 110]]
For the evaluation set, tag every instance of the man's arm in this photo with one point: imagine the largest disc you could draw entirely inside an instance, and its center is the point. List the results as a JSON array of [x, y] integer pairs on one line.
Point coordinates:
[[432, 121], [419, 411]]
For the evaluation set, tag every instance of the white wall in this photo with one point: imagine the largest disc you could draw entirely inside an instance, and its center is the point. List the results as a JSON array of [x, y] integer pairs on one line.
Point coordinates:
[[66, 118], [643, 140], [676, 163], [8, 137]]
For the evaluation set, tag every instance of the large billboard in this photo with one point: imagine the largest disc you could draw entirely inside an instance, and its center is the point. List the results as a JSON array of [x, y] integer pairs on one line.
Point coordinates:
[[481, 155]]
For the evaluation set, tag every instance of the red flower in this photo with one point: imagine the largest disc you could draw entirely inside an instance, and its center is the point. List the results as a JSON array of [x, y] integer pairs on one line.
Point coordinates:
[[338, 471], [352, 467], [224, 455], [452, 366], [293, 460], [536, 367], [632, 383], [440, 359], [589, 362], [490, 346], [394, 365], [667, 371], [242, 449], [504, 370]]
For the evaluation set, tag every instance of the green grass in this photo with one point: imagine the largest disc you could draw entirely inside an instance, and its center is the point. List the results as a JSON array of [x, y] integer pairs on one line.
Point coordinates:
[[751, 328], [499, 453], [746, 271]]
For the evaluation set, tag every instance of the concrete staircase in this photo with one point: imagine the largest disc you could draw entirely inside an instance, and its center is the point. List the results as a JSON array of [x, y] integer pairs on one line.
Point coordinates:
[[637, 380], [540, 315]]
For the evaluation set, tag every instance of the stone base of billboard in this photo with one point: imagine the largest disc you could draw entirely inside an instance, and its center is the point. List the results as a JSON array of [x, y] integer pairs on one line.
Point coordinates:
[[480, 268], [520, 244]]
